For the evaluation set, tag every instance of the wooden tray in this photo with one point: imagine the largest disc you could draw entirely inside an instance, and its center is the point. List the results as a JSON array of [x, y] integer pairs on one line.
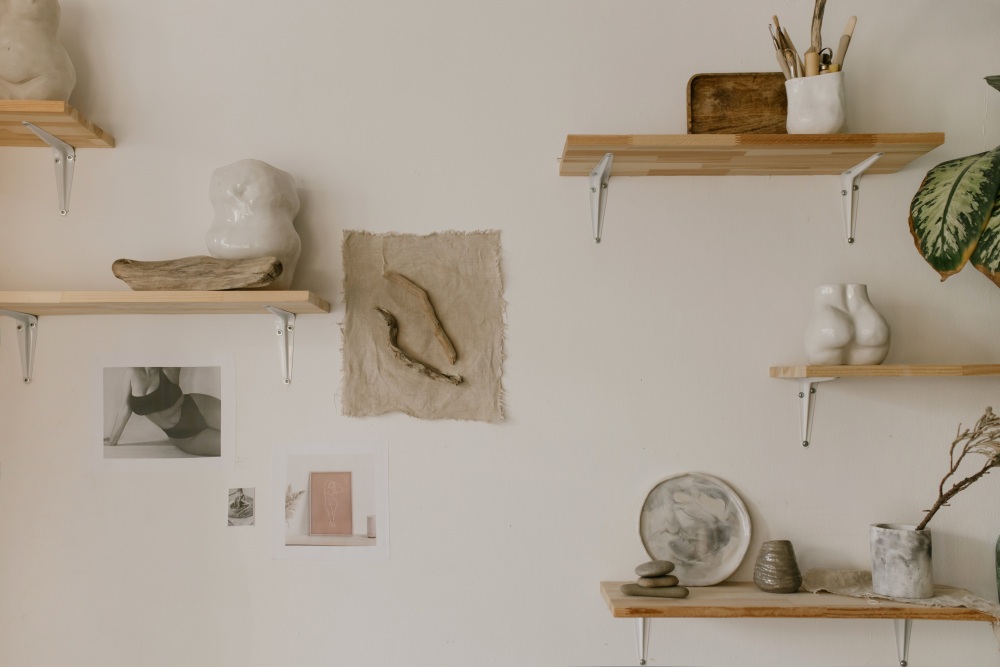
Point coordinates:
[[743, 103]]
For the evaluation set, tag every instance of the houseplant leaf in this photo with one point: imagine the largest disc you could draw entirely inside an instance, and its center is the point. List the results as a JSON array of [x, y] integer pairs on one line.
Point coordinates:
[[951, 207], [994, 81], [986, 257]]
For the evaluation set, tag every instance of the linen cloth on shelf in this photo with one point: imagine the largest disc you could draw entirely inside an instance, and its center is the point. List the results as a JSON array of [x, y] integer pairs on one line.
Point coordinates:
[[460, 271], [858, 583]]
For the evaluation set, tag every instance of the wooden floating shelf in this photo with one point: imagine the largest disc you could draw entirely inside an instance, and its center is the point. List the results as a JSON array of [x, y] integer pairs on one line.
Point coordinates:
[[742, 154], [744, 600], [162, 303], [909, 370], [55, 117]]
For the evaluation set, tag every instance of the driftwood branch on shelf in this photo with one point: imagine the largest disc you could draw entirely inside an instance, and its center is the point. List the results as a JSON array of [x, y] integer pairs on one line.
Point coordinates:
[[198, 273], [425, 304], [423, 369]]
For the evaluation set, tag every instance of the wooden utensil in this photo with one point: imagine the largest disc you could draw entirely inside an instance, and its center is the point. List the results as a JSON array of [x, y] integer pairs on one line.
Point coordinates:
[[817, 26], [789, 45], [845, 41]]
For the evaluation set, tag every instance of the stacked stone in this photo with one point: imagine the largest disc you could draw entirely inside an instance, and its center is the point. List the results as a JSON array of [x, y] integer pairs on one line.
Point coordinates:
[[655, 580]]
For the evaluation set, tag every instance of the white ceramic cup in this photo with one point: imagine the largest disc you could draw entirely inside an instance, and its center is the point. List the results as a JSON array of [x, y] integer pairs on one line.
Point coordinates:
[[816, 104]]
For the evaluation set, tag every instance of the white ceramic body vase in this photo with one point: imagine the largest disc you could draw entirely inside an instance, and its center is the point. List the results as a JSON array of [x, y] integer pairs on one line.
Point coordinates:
[[33, 63], [816, 104], [844, 328], [255, 205]]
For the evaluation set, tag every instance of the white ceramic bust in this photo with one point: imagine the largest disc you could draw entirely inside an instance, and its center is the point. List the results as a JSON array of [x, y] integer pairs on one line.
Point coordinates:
[[255, 204], [33, 63]]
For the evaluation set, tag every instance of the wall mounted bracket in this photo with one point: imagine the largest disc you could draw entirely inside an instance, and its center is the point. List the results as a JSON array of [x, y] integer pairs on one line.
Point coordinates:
[[64, 156], [599, 178], [850, 182], [903, 628], [642, 638], [27, 329], [807, 404], [285, 330]]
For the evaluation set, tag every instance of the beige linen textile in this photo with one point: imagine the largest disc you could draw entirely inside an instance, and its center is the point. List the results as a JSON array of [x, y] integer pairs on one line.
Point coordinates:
[[460, 271]]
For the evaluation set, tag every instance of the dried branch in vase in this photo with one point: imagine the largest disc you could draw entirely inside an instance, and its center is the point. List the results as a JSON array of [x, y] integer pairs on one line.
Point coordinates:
[[983, 438]]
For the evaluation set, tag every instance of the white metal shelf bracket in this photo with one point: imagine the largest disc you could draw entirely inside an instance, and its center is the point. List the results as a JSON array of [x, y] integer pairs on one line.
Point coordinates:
[[642, 638], [65, 157], [850, 182], [807, 405], [903, 628], [27, 329], [285, 329], [599, 178]]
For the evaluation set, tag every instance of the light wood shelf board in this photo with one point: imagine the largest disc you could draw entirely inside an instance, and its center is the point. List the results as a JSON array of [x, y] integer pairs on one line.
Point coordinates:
[[745, 600], [905, 370], [55, 117], [743, 154], [165, 302]]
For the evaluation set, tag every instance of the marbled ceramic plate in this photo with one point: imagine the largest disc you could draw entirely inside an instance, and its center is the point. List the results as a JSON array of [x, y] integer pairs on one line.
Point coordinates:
[[697, 522]]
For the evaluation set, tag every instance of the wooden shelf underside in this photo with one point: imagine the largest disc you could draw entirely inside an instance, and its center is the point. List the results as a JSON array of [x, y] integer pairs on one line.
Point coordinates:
[[743, 154], [905, 370], [745, 600], [57, 118], [162, 303]]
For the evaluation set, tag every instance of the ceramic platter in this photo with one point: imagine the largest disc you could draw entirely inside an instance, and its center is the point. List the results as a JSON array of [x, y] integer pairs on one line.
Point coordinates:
[[700, 524]]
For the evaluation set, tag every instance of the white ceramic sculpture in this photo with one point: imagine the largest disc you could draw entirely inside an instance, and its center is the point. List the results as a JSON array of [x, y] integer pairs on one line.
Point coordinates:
[[844, 328], [33, 63], [816, 104], [255, 205]]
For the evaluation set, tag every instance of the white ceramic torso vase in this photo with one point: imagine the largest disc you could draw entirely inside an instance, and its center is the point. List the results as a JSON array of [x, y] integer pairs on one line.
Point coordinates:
[[33, 63], [844, 328], [255, 205]]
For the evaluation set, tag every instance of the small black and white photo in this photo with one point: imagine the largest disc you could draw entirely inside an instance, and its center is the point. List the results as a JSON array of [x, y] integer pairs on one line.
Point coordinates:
[[241, 506], [164, 413]]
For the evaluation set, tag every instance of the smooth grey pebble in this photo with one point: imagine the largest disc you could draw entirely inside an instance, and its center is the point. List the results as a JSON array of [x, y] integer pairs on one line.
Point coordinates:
[[655, 568], [667, 592], [658, 582]]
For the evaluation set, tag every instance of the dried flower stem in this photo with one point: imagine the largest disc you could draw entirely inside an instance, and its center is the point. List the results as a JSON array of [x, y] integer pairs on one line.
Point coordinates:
[[983, 439]]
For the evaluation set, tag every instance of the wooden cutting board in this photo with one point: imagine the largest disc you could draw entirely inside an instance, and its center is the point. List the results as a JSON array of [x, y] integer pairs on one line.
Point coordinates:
[[743, 103]]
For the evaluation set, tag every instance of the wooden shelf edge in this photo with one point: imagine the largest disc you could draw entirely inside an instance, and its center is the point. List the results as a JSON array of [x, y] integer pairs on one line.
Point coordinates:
[[744, 600], [888, 370], [55, 117], [162, 302], [743, 154]]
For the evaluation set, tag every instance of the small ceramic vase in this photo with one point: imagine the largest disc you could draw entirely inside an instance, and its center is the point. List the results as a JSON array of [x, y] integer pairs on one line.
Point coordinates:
[[998, 566], [901, 561], [844, 328], [816, 104], [255, 205], [776, 570]]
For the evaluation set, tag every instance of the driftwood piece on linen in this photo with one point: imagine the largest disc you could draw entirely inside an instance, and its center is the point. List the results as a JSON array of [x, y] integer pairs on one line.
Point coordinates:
[[425, 304], [198, 273], [423, 369]]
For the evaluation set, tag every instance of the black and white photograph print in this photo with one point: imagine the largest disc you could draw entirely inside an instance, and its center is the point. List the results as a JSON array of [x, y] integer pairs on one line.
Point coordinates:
[[241, 506], [165, 412]]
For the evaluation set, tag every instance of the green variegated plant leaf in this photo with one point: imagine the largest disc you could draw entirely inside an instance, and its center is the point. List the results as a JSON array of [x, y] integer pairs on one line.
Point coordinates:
[[994, 81], [951, 207], [986, 257]]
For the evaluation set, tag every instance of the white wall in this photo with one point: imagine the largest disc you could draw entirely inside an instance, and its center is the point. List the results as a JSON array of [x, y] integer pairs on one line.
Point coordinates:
[[627, 362]]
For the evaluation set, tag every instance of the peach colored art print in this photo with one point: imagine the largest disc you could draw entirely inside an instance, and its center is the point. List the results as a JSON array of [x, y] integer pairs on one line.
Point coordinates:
[[330, 503]]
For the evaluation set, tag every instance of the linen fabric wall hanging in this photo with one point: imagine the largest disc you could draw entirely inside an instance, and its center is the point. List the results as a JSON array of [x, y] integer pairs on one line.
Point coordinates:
[[424, 325]]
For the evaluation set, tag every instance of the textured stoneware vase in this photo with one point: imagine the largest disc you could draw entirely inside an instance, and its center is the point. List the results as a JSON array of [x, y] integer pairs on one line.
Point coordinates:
[[901, 561], [33, 63], [776, 570], [844, 328], [816, 104], [255, 204]]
